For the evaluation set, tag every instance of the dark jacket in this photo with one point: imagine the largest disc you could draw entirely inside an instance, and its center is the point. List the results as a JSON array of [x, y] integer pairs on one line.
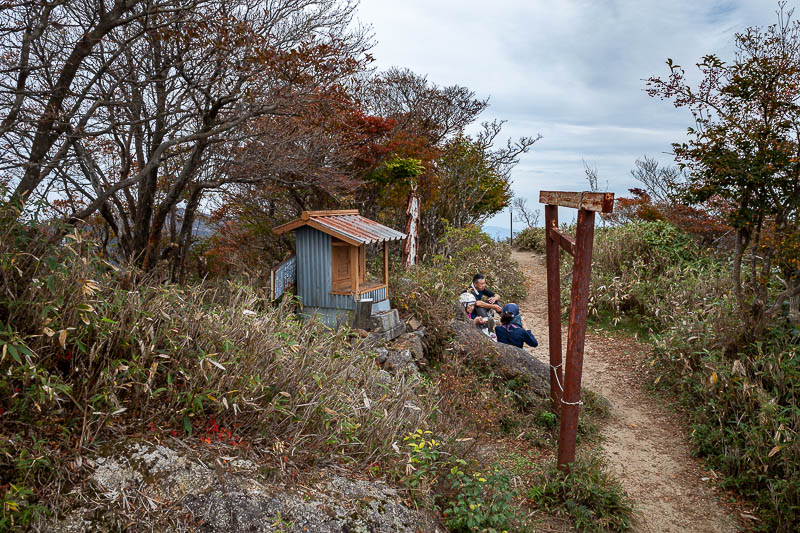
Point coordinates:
[[515, 335]]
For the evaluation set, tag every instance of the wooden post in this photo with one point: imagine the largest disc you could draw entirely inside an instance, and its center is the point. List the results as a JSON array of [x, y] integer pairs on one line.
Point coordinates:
[[412, 230], [386, 265], [571, 399], [553, 250], [580, 248], [354, 262]]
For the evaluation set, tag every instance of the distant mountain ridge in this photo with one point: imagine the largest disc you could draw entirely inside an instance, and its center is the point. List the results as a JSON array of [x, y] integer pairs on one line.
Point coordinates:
[[498, 233]]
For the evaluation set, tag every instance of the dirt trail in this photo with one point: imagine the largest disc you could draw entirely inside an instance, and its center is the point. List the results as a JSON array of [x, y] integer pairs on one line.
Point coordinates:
[[645, 445]]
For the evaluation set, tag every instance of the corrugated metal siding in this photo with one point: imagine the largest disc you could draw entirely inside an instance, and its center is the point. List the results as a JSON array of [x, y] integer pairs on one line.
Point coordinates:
[[333, 318], [377, 295], [314, 277]]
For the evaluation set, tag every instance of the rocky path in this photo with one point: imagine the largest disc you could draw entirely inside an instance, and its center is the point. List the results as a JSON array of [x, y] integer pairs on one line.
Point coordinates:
[[644, 443]]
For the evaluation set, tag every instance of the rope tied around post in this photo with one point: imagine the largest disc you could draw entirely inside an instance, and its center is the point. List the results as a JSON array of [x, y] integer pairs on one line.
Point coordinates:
[[579, 402], [555, 374], [558, 382]]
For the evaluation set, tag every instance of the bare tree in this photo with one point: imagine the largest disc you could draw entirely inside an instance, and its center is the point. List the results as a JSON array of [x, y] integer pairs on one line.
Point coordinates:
[[661, 183], [592, 176], [155, 91], [530, 217], [45, 90], [473, 178], [421, 107]]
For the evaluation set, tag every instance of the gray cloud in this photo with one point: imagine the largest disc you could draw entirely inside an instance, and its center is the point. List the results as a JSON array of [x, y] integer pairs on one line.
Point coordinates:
[[571, 70]]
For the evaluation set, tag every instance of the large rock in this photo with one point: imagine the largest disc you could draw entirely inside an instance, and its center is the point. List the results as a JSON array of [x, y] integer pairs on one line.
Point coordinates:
[[405, 355], [415, 344], [508, 361], [386, 326], [401, 362], [168, 489], [333, 506]]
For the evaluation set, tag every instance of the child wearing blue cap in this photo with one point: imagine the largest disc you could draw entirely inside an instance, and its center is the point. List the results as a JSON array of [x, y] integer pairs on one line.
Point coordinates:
[[510, 330], [514, 310]]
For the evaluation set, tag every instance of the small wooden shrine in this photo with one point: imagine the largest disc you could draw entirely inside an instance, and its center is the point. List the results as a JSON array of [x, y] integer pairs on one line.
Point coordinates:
[[332, 262]]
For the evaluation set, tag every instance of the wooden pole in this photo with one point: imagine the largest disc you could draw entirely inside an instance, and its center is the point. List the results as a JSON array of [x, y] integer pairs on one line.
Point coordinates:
[[409, 257], [553, 251], [386, 265], [571, 399], [354, 262]]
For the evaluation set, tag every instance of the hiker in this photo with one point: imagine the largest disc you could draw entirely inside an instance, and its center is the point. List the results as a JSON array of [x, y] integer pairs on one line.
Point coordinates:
[[467, 300], [509, 332], [514, 310], [478, 290]]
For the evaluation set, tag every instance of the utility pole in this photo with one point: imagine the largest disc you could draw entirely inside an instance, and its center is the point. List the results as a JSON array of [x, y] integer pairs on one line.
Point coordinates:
[[511, 214]]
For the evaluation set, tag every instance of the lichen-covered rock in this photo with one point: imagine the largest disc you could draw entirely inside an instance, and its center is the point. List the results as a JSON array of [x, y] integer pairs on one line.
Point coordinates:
[[381, 354], [171, 489], [385, 378], [152, 464], [401, 362], [506, 360], [413, 342], [333, 506]]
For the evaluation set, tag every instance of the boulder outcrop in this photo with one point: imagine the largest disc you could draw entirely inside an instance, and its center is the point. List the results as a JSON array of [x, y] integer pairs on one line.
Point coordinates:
[[505, 360], [147, 486]]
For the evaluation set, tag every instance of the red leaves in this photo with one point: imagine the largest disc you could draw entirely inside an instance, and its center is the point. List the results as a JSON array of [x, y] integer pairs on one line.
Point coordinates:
[[705, 220], [219, 434]]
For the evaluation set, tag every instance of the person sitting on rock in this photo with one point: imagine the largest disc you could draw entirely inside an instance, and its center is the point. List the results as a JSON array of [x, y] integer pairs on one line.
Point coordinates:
[[510, 333], [467, 300], [478, 290], [514, 310]]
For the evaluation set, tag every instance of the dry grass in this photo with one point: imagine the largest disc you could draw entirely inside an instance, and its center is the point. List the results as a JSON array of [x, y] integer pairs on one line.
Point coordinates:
[[741, 398], [90, 356]]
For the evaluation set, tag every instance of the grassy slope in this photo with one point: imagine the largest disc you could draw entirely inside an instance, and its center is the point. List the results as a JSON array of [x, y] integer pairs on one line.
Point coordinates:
[[91, 356], [652, 280]]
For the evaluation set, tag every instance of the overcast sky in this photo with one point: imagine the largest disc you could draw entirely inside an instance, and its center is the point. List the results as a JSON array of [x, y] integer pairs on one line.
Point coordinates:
[[571, 70]]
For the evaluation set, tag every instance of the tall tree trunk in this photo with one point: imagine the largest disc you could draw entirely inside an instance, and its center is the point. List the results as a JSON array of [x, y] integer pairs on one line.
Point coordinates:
[[173, 196], [185, 237], [794, 301]]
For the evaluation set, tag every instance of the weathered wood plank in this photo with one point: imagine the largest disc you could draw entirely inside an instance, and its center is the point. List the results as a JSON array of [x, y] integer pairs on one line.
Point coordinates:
[[602, 202], [330, 231], [305, 215], [566, 241], [289, 226], [354, 269], [553, 254]]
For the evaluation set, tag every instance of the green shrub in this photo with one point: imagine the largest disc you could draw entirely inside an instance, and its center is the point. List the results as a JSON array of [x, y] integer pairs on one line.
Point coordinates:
[[531, 239], [587, 496], [482, 500], [651, 274], [16, 509], [471, 499], [745, 417]]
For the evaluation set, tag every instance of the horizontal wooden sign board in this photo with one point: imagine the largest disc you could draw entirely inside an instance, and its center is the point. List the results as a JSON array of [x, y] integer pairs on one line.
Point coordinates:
[[602, 202]]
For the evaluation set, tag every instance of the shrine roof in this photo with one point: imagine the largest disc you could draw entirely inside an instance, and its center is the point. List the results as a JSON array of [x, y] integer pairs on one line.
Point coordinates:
[[347, 225]]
